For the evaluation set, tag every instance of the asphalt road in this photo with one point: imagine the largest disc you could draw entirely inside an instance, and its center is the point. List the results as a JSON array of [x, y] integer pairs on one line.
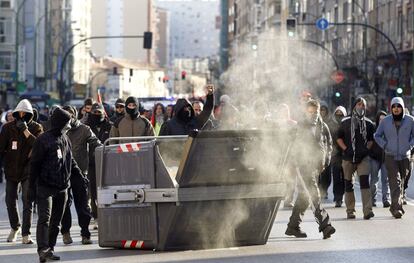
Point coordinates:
[[382, 239]]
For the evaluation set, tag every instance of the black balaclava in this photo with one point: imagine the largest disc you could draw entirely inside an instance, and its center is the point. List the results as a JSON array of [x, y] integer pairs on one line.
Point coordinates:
[[184, 115], [74, 122], [133, 113], [60, 121]]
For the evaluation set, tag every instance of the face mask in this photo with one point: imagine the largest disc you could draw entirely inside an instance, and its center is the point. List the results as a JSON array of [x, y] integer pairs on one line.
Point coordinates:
[[360, 112], [397, 117], [132, 112], [184, 115], [338, 118], [96, 119]]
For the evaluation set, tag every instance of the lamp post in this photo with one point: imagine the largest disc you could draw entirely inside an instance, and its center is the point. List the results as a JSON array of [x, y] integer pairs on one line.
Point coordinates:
[[35, 51]]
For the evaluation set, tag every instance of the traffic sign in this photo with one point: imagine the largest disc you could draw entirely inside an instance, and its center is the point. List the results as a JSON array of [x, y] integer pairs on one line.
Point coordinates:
[[338, 76], [322, 24]]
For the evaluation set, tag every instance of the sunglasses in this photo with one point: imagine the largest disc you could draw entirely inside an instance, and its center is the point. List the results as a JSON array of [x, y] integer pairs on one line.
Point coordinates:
[[396, 106]]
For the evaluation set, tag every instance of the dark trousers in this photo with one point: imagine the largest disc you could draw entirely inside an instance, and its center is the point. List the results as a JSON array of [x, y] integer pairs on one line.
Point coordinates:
[[92, 191], [302, 201], [50, 206], [397, 174], [12, 207], [1, 170], [78, 192], [325, 181], [338, 178]]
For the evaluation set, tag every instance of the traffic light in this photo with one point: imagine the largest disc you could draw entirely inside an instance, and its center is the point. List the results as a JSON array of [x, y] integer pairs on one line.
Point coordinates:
[[399, 91], [291, 27], [183, 75], [147, 40], [338, 94]]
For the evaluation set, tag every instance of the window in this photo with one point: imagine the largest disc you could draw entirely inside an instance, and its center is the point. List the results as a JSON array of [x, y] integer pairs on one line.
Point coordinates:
[[5, 61], [5, 4], [5, 30]]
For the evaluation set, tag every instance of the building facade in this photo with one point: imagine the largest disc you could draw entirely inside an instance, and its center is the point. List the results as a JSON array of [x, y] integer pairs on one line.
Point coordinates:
[[122, 18], [194, 28]]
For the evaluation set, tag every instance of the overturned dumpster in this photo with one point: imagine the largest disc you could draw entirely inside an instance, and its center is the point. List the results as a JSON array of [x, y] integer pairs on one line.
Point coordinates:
[[212, 189]]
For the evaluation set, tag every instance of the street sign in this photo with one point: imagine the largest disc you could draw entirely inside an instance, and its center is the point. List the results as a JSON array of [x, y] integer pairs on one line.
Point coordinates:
[[322, 24], [338, 76], [21, 63]]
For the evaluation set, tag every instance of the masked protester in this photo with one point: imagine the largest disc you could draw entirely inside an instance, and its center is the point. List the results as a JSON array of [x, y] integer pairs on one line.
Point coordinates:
[[335, 168], [101, 127], [131, 124], [185, 120], [311, 151], [51, 167], [83, 141], [119, 110], [377, 165], [16, 141], [355, 138], [395, 135]]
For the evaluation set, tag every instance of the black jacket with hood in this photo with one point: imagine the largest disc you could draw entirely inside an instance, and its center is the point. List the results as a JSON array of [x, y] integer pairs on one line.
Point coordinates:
[[52, 162], [15, 148], [183, 126]]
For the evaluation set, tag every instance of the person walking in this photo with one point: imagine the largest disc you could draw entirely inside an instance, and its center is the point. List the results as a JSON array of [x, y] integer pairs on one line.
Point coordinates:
[[16, 141], [378, 169], [355, 138], [395, 134], [51, 167], [312, 137]]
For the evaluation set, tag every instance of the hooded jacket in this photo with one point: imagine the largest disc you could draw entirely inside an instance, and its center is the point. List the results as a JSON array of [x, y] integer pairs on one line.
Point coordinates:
[[361, 145], [178, 126], [15, 148], [334, 125], [52, 162], [83, 141], [396, 142]]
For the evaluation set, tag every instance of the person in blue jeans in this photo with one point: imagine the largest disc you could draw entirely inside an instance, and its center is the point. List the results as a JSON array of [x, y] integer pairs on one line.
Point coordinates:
[[395, 135], [378, 168]]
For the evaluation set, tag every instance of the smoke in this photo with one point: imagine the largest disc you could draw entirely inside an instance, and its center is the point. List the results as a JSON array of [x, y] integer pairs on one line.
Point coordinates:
[[277, 71]]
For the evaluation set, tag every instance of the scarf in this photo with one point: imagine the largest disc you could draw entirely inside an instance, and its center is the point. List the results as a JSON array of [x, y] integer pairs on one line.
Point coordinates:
[[357, 123]]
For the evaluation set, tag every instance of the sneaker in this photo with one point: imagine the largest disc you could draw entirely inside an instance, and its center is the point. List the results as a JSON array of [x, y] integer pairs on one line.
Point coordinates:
[[374, 204], [386, 204], [369, 215], [27, 240], [398, 214], [338, 203], [44, 255], [52, 255], [328, 232], [297, 232], [13, 235], [67, 239], [350, 216], [86, 241], [404, 201]]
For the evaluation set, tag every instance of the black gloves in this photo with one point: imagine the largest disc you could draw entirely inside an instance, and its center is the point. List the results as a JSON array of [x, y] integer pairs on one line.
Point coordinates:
[[21, 125]]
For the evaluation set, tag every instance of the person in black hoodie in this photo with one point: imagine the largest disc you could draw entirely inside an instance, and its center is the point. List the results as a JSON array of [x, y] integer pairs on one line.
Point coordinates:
[[377, 164], [51, 167], [185, 120], [355, 138], [101, 127], [119, 110]]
